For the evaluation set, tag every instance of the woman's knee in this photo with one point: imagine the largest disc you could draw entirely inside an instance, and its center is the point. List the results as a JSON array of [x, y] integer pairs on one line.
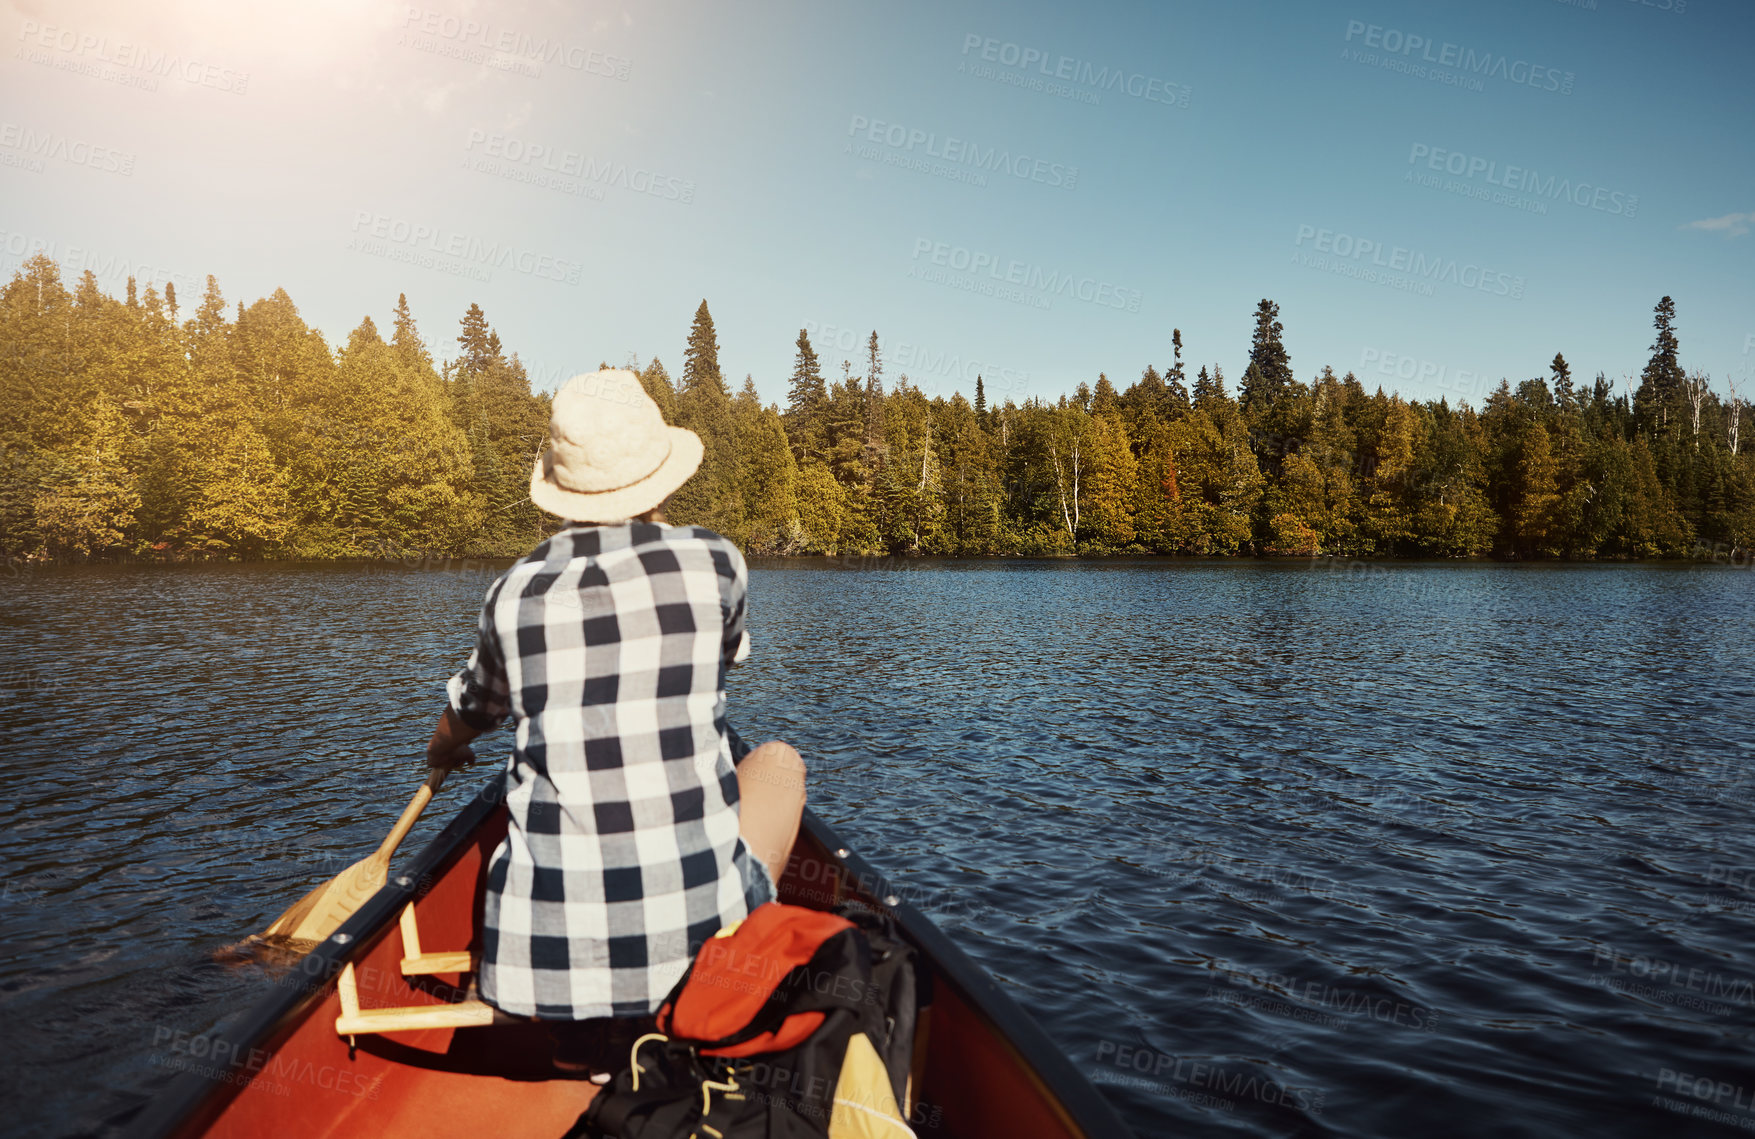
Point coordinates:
[[778, 761], [784, 757]]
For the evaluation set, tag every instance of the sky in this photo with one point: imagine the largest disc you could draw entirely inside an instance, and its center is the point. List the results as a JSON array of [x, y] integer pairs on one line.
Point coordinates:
[[1437, 195]]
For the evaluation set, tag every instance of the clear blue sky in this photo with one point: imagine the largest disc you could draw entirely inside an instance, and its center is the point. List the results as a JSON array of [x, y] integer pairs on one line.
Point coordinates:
[[819, 165]]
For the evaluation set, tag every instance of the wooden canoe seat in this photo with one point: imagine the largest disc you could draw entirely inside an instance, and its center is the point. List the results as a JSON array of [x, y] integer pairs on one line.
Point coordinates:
[[468, 1013]]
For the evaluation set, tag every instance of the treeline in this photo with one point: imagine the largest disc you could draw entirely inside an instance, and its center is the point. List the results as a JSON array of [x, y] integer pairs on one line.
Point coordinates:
[[1170, 465], [126, 430]]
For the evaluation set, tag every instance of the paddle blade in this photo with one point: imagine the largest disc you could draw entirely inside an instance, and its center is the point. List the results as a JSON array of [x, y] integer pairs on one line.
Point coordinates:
[[274, 953], [321, 912]]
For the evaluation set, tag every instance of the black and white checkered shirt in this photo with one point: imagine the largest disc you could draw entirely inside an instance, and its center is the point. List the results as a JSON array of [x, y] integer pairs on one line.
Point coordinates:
[[608, 645]]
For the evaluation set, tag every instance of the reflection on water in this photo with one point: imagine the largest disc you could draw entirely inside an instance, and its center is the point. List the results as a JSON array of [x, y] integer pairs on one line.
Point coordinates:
[[1267, 848]]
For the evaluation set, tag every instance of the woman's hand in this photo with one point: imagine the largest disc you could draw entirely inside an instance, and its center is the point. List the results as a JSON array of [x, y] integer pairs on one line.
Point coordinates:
[[451, 761], [449, 747]]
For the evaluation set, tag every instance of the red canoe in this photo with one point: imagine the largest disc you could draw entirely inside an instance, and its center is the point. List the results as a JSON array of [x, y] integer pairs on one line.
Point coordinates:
[[983, 1068]]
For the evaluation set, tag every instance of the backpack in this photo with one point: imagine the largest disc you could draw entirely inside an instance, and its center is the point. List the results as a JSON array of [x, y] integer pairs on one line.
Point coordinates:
[[792, 1024]]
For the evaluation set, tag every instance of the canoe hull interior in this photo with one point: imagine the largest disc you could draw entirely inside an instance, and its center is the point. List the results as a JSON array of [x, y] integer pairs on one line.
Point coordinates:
[[985, 1069]]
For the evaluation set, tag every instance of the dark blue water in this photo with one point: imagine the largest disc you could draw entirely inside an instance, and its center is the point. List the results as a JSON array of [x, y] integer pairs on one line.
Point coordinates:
[[1268, 849]]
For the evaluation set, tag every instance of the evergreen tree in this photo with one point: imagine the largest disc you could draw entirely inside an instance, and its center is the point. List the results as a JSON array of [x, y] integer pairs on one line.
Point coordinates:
[[1104, 401], [874, 407], [768, 475], [410, 350], [714, 497], [1209, 391], [1660, 383], [807, 396], [701, 358], [1270, 370], [1107, 518], [657, 383], [1564, 392], [1175, 381], [480, 347]]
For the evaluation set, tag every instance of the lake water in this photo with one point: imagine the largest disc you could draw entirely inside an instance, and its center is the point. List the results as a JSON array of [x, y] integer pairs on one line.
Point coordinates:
[[1268, 849]]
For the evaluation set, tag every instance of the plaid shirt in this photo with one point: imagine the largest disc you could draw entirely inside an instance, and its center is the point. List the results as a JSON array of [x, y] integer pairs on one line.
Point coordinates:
[[609, 645]]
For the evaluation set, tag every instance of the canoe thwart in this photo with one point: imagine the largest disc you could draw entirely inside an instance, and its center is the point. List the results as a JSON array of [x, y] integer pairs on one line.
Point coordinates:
[[417, 963], [429, 963], [356, 1021]]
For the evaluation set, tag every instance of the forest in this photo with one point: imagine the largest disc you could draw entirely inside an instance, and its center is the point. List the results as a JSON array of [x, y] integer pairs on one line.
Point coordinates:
[[133, 429]]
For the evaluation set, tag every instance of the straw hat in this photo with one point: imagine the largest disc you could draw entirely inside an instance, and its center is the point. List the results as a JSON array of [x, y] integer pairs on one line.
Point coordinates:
[[610, 454]]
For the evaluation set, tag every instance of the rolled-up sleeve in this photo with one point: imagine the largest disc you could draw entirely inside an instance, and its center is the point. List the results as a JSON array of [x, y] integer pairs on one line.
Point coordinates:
[[480, 694], [735, 647]]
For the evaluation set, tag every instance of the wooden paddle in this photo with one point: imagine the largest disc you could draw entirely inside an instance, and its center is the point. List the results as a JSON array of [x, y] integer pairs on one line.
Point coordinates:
[[321, 912]]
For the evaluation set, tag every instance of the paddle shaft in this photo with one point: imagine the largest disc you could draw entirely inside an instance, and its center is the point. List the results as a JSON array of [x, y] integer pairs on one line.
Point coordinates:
[[317, 914], [411, 814]]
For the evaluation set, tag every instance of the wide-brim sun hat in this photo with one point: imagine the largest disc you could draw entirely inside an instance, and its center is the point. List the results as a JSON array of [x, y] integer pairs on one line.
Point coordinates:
[[610, 455]]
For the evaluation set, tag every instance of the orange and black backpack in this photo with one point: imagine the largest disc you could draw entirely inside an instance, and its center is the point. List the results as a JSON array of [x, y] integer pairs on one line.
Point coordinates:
[[792, 1024]]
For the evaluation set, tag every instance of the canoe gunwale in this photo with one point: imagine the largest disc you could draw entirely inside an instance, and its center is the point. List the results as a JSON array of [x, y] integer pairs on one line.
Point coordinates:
[[190, 1100], [1016, 1029]]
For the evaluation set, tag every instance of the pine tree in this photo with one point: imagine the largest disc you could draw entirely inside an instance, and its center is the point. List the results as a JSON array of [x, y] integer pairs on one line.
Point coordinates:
[[479, 344], [1107, 521], [1103, 398], [1660, 383], [1270, 370], [1209, 391], [1562, 373], [714, 496], [410, 350], [1175, 382], [769, 477], [701, 358], [657, 383], [874, 410], [806, 399]]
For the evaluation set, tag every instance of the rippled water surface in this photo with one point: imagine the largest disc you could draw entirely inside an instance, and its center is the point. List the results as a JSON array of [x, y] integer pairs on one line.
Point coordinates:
[[1374, 851]]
